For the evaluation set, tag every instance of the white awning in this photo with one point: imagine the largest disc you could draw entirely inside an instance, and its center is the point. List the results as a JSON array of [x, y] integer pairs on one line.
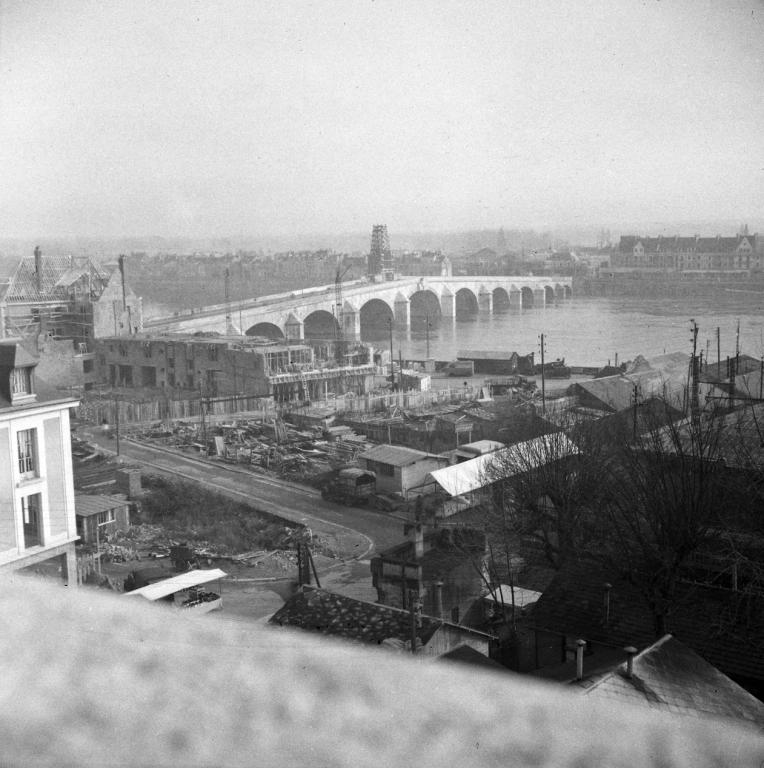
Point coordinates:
[[175, 584]]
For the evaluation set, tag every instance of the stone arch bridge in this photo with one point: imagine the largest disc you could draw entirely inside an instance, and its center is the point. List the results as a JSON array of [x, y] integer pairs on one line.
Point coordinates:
[[410, 302]]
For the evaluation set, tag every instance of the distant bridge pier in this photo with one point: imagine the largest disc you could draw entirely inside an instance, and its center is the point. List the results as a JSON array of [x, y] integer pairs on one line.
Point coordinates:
[[559, 293], [515, 298], [448, 307], [351, 324], [294, 329], [485, 301], [539, 297], [402, 312]]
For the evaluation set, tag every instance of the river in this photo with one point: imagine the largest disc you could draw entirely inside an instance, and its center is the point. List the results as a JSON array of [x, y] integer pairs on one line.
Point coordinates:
[[588, 330]]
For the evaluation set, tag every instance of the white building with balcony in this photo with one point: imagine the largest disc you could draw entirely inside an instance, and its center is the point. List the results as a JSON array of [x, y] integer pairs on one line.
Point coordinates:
[[37, 520]]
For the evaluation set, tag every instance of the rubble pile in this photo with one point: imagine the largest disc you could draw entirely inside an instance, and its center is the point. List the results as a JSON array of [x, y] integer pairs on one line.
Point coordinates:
[[272, 445]]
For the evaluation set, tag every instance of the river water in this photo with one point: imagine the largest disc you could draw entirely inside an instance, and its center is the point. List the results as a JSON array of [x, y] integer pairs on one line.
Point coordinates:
[[588, 330]]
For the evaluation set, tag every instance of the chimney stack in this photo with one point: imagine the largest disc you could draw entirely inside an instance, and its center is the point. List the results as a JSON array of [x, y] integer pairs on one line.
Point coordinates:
[[417, 539], [439, 598], [580, 645], [632, 651], [38, 267]]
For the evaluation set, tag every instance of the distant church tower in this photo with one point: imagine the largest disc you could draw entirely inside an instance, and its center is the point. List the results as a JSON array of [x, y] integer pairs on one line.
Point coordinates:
[[380, 255]]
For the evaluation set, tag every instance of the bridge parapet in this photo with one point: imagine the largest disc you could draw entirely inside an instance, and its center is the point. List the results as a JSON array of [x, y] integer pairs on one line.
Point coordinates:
[[286, 315]]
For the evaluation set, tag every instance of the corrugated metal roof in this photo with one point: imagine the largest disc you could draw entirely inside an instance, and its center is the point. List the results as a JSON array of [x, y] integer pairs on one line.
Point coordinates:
[[175, 584], [86, 504], [396, 455], [476, 473]]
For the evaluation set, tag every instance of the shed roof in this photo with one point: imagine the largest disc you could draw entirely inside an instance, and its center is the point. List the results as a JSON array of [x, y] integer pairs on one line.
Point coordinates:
[[476, 473], [502, 595], [160, 589], [87, 505], [668, 675], [397, 455]]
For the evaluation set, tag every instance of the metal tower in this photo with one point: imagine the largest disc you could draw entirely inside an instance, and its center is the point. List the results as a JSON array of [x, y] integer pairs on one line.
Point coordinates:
[[380, 255]]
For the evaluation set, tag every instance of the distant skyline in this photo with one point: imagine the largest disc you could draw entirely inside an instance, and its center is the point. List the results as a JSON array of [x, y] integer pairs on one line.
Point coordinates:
[[265, 119]]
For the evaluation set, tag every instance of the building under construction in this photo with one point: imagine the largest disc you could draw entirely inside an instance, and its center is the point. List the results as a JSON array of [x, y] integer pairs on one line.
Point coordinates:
[[67, 297], [213, 366], [59, 304]]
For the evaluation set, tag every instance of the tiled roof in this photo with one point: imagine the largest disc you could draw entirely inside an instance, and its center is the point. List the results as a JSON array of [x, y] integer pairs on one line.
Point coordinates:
[[704, 617], [668, 675], [332, 614], [396, 455]]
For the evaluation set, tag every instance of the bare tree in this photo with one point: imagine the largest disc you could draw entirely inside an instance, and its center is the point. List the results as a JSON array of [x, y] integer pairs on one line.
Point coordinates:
[[641, 502]]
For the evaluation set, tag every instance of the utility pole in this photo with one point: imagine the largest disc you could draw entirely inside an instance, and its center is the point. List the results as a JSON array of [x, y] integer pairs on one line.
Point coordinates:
[[694, 401], [116, 421], [635, 398], [392, 359], [543, 377], [415, 608], [718, 351]]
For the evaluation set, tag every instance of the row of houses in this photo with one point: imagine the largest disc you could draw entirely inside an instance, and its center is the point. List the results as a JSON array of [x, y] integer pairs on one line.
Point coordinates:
[[732, 254]]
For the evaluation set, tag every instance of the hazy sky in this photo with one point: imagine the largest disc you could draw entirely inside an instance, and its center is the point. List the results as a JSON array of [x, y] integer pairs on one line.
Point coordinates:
[[252, 117]]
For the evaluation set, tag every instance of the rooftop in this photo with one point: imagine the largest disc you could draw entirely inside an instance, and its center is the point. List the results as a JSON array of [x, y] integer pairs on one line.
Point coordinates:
[[713, 621], [397, 455], [326, 612], [87, 505], [669, 676]]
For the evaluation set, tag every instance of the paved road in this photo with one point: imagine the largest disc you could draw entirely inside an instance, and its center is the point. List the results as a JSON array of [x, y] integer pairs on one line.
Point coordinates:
[[358, 532]]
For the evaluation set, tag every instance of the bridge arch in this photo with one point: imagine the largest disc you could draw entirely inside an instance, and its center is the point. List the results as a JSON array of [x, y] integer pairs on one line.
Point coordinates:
[[465, 303], [375, 319], [267, 330], [320, 325], [527, 297], [424, 306], [548, 294], [500, 299], [568, 291]]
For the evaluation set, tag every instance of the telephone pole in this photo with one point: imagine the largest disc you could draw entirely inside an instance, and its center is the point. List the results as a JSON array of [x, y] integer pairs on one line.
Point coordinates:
[[635, 402], [694, 400], [543, 378]]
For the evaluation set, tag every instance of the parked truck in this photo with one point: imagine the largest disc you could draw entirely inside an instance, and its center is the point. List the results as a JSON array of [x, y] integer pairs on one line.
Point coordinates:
[[351, 486]]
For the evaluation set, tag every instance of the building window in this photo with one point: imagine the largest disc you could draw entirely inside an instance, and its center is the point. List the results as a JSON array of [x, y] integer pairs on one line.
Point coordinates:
[[32, 518], [21, 381], [87, 366], [147, 349], [27, 439], [105, 517], [212, 352]]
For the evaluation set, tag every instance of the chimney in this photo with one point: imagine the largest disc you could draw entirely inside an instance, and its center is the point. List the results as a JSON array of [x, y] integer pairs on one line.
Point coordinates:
[[439, 598], [580, 645], [417, 537], [632, 652], [38, 267]]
